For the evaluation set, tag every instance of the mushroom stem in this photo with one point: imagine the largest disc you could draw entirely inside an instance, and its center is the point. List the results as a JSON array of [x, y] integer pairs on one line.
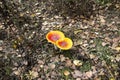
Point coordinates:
[[55, 47]]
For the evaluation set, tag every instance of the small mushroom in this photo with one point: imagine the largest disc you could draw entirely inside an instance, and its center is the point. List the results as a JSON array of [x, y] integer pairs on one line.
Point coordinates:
[[54, 36], [64, 44]]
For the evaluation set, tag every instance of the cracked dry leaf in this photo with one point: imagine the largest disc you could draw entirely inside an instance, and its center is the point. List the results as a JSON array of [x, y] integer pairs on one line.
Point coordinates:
[[66, 73]]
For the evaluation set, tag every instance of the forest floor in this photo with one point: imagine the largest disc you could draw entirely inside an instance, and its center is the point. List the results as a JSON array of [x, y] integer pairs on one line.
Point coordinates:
[[25, 54]]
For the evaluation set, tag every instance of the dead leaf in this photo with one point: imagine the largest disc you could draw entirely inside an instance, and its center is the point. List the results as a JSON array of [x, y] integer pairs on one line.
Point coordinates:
[[92, 56], [1, 26], [77, 74], [16, 72], [62, 58], [89, 74], [77, 42], [52, 65], [112, 78], [77, 31], [117, 57], [66, 73], [117, 48], [1, 48], [77, 62], [104, 43], [102, 20], [78, 78], [34, 74], [68, 63]]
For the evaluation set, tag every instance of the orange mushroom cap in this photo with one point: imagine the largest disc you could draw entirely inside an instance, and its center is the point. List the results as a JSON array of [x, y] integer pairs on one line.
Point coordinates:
[[53, 36], [64, 44]]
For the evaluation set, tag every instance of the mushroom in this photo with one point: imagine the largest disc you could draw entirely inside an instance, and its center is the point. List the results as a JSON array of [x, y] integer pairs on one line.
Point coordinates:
[[64, 44], [54, 36]]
